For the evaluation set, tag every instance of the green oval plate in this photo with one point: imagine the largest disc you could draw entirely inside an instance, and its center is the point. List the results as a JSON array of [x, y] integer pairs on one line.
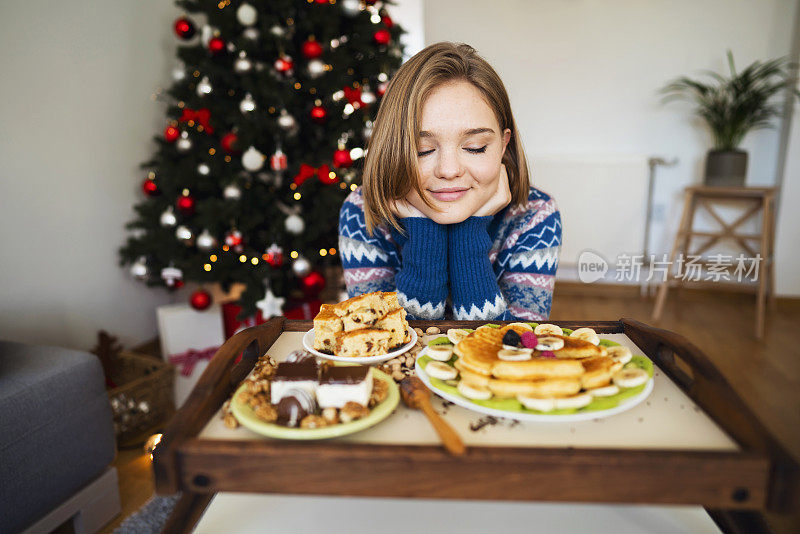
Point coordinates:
[[378, 413]]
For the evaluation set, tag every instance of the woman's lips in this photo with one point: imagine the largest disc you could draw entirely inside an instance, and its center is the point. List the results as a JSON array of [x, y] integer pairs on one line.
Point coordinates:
[[449, 195]]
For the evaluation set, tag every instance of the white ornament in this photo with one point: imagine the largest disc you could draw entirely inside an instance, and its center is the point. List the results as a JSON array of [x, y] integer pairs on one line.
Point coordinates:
[[179, 72], [316, 68], [184, 144], [286, 121], [367, 96], [382, 77], [270, 305], [171, 275], [168, 217], [182, 232], [206, 33], [204, 86], [247, 104], [251, 33], [246, 15], [367, 131], [338, 95], [356, 153], [294, 224], [203, 169], [242, 63], [252, 159], [139, 268], [232, 192], [205, 240], [351, 8], [301, 267], [277, 31]]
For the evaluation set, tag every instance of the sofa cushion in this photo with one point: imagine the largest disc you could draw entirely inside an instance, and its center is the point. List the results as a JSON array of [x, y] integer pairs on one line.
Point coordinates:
[[57, 429]]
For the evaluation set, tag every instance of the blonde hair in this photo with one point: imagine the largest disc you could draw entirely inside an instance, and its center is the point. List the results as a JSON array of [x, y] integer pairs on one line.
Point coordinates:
[[390, 168]]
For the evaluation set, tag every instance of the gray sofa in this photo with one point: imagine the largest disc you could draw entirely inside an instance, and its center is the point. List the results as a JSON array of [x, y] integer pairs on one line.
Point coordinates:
[[56, 441]]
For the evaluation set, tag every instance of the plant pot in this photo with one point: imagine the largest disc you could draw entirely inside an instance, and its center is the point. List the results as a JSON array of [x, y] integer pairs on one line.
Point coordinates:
[[726, 168]]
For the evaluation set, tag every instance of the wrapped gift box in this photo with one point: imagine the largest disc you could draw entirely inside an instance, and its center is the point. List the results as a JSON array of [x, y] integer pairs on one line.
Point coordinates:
[[189, 338]]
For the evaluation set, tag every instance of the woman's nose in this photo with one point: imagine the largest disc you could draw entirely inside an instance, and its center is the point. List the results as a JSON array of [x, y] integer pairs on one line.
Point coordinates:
[[449, 165]]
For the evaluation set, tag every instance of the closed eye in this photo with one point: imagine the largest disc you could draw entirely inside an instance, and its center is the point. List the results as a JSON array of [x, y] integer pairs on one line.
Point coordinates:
[[470, 150]]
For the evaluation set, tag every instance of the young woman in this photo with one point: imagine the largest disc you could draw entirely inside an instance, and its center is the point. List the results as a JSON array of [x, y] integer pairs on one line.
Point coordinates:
[[446, 215]]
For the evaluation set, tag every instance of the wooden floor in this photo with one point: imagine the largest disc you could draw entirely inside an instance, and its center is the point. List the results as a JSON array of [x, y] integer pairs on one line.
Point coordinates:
[[765, 372]]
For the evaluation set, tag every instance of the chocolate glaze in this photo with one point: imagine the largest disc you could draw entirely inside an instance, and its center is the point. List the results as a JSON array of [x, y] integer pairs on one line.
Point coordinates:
[[344, 374], [302, 370]]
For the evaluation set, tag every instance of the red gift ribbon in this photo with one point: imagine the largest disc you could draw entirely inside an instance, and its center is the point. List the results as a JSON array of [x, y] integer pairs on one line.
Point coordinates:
[[190, 358], [200, 116], [307, 171]]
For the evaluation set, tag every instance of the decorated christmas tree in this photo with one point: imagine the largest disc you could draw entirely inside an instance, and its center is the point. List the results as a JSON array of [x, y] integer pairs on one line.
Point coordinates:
[[267, 122]]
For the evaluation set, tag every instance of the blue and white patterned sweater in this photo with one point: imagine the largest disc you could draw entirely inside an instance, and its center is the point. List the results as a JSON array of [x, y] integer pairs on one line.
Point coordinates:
[[497, 267]]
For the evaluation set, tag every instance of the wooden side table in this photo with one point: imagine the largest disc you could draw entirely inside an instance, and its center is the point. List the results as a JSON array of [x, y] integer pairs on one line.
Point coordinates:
[[754, 201]]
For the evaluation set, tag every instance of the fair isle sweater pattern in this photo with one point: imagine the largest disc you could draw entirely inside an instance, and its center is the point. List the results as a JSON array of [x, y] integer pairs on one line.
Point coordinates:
[[501, 267]]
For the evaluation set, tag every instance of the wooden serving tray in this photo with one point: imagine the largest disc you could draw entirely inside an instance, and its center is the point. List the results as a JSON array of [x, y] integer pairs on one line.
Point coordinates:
[[734, 483]]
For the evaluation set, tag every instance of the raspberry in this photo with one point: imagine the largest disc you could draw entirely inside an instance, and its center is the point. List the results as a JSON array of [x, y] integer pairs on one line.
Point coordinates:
[[529, 340], [547, 354]]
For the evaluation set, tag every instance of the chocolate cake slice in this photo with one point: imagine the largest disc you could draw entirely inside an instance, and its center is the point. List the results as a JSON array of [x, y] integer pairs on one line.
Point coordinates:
[[289, 375], [341, 384]]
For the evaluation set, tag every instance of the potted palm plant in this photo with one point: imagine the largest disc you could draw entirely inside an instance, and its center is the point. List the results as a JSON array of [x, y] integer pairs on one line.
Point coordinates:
[[731, 106]]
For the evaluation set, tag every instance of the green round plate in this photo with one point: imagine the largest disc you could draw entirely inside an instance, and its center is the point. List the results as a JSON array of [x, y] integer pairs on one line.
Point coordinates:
[[378, 413]]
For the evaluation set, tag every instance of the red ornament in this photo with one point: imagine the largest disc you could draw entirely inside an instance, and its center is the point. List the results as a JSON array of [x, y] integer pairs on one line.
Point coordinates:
[[185, 204], [387, 20], [353, 95], [150, 188], [382, 37], [228, 142], [184, 28], [382, 88], [171, 133], [200, 300], [274, 256], [216, 45], [234, 238], [278, 161], [319, 114], [177, 284], [313, 283], [312, 49], [284, 64], [341, 158]]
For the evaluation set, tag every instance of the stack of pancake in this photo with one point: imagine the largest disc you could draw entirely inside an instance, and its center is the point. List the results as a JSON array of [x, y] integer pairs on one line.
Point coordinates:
[[366, 325], [578, 365]]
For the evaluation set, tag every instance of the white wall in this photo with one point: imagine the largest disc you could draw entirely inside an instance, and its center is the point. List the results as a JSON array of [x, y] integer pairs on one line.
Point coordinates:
[[787, 246], [583, 77], [75, 122]]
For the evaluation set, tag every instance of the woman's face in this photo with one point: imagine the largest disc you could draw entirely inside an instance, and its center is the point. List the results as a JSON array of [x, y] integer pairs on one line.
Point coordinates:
[[460, 148]]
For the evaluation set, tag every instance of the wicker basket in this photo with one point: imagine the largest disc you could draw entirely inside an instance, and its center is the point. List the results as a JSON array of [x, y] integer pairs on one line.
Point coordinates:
[[144, 399]]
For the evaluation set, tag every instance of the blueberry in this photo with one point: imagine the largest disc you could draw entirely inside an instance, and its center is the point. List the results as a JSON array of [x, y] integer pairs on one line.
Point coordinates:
[[512, 339]]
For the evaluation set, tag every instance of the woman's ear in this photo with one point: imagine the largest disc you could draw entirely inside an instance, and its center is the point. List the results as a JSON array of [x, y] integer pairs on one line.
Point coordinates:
[[506, 139]]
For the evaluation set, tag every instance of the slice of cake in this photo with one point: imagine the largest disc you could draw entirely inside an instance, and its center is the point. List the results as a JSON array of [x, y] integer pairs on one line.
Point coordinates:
[[326, 325], [341, 384], [395, 322], [363, 342], [294, 375], [360, 318], [382, 302]]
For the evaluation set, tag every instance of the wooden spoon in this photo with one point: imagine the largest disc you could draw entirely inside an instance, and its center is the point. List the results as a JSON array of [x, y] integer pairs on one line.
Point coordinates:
[[416, 396]]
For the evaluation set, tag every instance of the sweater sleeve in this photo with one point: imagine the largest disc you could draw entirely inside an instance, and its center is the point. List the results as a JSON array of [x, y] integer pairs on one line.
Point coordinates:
[[530, 261], [389, 260], [473, 284]]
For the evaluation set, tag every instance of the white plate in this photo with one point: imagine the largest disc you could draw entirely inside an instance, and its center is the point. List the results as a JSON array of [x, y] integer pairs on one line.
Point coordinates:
[[308, 344], [627, 404]]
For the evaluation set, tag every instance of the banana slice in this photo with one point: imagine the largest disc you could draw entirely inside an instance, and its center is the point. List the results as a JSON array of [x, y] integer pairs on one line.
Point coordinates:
[[472, 391], [440, 353], [515, 354], [586, 334], [575, 401], [440, 370], [630, 378], [620, 354], [549, 343], [455, 335], [546, 329], [604, 391], [538, 404], [526, 326]]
